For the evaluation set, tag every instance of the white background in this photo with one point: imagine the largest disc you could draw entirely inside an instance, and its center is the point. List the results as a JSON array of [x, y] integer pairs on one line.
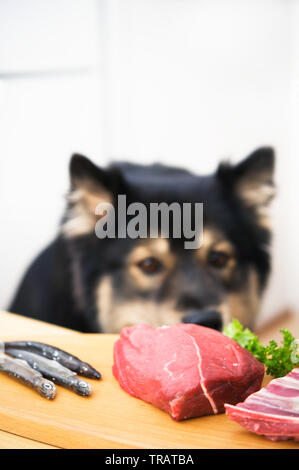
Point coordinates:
[[185, 82]]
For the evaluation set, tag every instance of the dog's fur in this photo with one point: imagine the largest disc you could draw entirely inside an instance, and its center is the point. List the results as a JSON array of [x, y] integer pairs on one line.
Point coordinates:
[[91, 284]]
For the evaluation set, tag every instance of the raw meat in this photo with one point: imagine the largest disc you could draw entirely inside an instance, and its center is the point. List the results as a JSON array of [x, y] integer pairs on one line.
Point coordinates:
[[273, 411], [185, 369]]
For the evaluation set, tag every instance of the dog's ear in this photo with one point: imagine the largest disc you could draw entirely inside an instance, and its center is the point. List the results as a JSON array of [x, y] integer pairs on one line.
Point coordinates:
[[90, 186], [252, 180]]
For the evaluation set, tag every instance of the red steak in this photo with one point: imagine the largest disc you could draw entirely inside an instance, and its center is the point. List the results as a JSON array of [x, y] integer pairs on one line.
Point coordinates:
[[186, 370], [272, 411]]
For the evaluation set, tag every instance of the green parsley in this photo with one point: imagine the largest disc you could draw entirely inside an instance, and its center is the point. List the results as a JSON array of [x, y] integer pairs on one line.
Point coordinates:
[[278, 360]]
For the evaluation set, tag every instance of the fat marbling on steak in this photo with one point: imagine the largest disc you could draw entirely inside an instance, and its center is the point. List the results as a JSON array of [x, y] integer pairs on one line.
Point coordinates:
[[273, 411], [185, 369]]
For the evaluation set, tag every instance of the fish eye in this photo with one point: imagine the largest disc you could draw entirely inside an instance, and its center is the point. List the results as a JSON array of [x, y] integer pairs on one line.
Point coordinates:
[[150, 265], [218, 259]]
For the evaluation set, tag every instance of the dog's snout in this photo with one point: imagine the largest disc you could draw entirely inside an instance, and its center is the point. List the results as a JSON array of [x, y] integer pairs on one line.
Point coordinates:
[[209, 318]]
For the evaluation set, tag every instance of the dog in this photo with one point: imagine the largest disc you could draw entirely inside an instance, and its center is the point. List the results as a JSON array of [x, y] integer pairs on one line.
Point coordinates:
[[93, 284]]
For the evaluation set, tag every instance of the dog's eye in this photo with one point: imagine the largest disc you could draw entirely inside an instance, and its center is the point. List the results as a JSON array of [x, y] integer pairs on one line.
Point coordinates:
[[218, 259], [150, 265]]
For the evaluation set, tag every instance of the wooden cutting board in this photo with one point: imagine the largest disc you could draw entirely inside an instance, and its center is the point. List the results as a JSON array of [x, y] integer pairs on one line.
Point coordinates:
[[110, 418]]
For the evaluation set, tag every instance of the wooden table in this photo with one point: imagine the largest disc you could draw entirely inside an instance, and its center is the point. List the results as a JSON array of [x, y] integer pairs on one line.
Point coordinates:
[[9, 325], [17, 327]]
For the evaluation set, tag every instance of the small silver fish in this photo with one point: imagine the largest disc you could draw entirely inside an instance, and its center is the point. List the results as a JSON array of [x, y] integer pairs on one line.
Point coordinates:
[[68, 360], [54, 371], [21, 371]]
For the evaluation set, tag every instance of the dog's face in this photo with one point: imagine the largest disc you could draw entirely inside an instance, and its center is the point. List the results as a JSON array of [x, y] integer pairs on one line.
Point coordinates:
[[124, 281]]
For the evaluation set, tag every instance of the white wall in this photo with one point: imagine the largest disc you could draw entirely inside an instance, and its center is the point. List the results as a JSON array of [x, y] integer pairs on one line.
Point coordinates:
[[50, 107], [186, 82], [289, 178], [193, 80]]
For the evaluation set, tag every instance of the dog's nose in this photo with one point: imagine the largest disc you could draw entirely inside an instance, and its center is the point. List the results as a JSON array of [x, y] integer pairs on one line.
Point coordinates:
[[209, 318]]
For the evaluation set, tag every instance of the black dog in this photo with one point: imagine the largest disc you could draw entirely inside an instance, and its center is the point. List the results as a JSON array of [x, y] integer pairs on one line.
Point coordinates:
[[91, 284]]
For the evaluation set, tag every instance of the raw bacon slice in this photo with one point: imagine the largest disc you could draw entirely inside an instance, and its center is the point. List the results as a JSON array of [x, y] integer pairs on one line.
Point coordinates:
[[185, 369], [273, 411]]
